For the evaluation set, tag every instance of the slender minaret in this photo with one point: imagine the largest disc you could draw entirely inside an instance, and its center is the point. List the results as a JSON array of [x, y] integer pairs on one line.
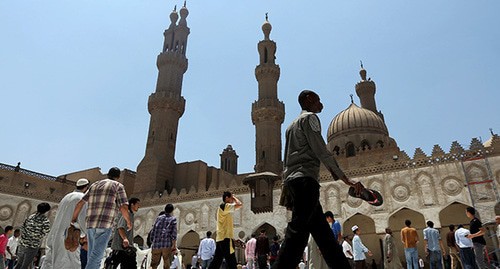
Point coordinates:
[[365, 89], [268, 112], [229, 160], [166, 105]]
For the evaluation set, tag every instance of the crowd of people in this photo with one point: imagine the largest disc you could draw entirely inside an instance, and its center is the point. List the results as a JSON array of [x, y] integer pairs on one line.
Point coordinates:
[[88, 217]]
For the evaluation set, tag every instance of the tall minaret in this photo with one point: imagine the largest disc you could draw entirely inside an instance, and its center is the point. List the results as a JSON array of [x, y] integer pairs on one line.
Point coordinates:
[[268, 112], [365, 89], [166, 105]]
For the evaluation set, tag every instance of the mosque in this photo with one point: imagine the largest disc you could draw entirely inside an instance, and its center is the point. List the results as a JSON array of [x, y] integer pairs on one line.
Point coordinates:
[[421, 187]]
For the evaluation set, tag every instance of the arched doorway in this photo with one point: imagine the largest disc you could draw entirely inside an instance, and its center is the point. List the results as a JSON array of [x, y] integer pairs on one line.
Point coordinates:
[[189, 246], [368, 235], [397, 222], [270, 231]]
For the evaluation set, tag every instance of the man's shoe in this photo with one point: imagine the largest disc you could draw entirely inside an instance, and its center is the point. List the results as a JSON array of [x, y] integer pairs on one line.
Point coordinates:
[[373, 197]]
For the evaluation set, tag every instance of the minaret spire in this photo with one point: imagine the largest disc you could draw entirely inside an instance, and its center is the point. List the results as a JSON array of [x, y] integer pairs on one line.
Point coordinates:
[[166, 105], [268, 111], [365, 89]]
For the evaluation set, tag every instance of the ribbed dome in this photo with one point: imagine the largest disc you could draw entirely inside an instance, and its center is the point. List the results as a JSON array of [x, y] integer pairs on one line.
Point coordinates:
[[356, 119]]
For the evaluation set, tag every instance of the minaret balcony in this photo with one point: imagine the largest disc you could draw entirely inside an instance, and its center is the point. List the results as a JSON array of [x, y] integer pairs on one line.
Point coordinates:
[[166, 101]]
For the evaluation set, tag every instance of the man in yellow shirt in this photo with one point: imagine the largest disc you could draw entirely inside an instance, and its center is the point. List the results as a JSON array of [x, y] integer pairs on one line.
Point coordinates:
[[410, 239], [224, 241]]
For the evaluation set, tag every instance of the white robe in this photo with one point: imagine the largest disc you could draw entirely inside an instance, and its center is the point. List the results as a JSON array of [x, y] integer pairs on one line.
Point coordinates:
[[56, 254]]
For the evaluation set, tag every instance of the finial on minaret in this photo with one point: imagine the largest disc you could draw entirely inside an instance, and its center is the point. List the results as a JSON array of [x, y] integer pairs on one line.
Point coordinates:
[[362, 72], [184, 3], [352, 100], [266, 17], [175, 8], [491, 131]]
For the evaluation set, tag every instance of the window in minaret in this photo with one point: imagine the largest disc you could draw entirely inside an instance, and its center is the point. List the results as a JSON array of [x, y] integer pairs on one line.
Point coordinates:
[[265, 55], [350, 150], [263, 156]]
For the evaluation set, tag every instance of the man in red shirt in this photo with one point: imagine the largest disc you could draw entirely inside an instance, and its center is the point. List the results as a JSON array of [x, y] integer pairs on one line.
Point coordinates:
[[3, 244]]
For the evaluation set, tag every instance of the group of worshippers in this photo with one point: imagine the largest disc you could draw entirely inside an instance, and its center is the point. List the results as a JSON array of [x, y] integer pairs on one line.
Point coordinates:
[[81, 229]]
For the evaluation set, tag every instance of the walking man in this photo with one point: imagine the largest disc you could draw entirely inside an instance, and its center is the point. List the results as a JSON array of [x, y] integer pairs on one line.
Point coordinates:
[[335, 224], [225, 232], [476, 234], [206, 250], [305, 149], [33, 230], [11, 250], [347, 249], [124, 252], [409, 237], [262, 249], [359, 249], [56, 254], [104, 197], [466, 248], [164, 238], [452, 246], [433, 246]]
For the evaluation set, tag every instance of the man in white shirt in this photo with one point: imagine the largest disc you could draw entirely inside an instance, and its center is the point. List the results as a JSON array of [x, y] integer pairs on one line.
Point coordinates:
[[359, 249], [347, 249], [465, 247], [206, 250], [10, 252]]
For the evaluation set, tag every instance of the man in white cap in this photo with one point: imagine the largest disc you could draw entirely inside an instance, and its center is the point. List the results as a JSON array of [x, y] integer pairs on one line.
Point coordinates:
[[359, 249], [56, 254]]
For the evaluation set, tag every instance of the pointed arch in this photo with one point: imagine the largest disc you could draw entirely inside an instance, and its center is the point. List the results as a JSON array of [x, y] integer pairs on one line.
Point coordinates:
[[270, 230], [350, 150], [453, 213], [396, 221], [426, 187], [368, 233], [189, 244]]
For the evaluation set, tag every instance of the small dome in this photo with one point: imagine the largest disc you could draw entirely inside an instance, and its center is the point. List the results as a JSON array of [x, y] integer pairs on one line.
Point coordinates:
[[266, 28], [355, 119], [174, 16], [184, 12]]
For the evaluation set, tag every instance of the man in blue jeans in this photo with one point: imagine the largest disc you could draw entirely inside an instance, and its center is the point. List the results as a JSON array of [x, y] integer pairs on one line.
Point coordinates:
[[409, 237], [433, 246], [104, 197]]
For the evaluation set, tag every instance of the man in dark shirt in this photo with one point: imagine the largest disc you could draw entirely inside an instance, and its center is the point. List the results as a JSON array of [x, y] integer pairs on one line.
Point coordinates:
[[262, 249], [305, 149], [476, 234], [274, 249], [450, 242]]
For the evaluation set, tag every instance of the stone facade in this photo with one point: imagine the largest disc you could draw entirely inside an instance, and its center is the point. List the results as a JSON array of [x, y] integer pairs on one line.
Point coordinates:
[[437, 187]]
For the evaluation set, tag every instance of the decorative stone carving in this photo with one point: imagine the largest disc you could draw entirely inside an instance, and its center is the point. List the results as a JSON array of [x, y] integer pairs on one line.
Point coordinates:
[[204, 216], [333, 200], [189, 218], [401, 192], [452, 186], [353, 202], [23, 210], [427, 189], [6, 212]]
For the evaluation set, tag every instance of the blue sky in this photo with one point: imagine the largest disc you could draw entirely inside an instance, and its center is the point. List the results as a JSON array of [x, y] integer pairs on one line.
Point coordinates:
[[75, 75]]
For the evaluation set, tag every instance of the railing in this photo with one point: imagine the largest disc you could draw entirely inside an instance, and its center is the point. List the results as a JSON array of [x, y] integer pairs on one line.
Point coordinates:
[[26, 172]]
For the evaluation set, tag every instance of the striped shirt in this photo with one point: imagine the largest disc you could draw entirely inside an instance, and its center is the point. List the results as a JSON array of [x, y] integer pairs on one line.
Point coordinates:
[[104, 198], [164, 232], [34, 228]]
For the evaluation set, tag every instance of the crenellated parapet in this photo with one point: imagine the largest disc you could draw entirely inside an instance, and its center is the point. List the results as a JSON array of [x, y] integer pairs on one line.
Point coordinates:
[[172, 59], [167, 101], [268, 110], [265, 71]]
